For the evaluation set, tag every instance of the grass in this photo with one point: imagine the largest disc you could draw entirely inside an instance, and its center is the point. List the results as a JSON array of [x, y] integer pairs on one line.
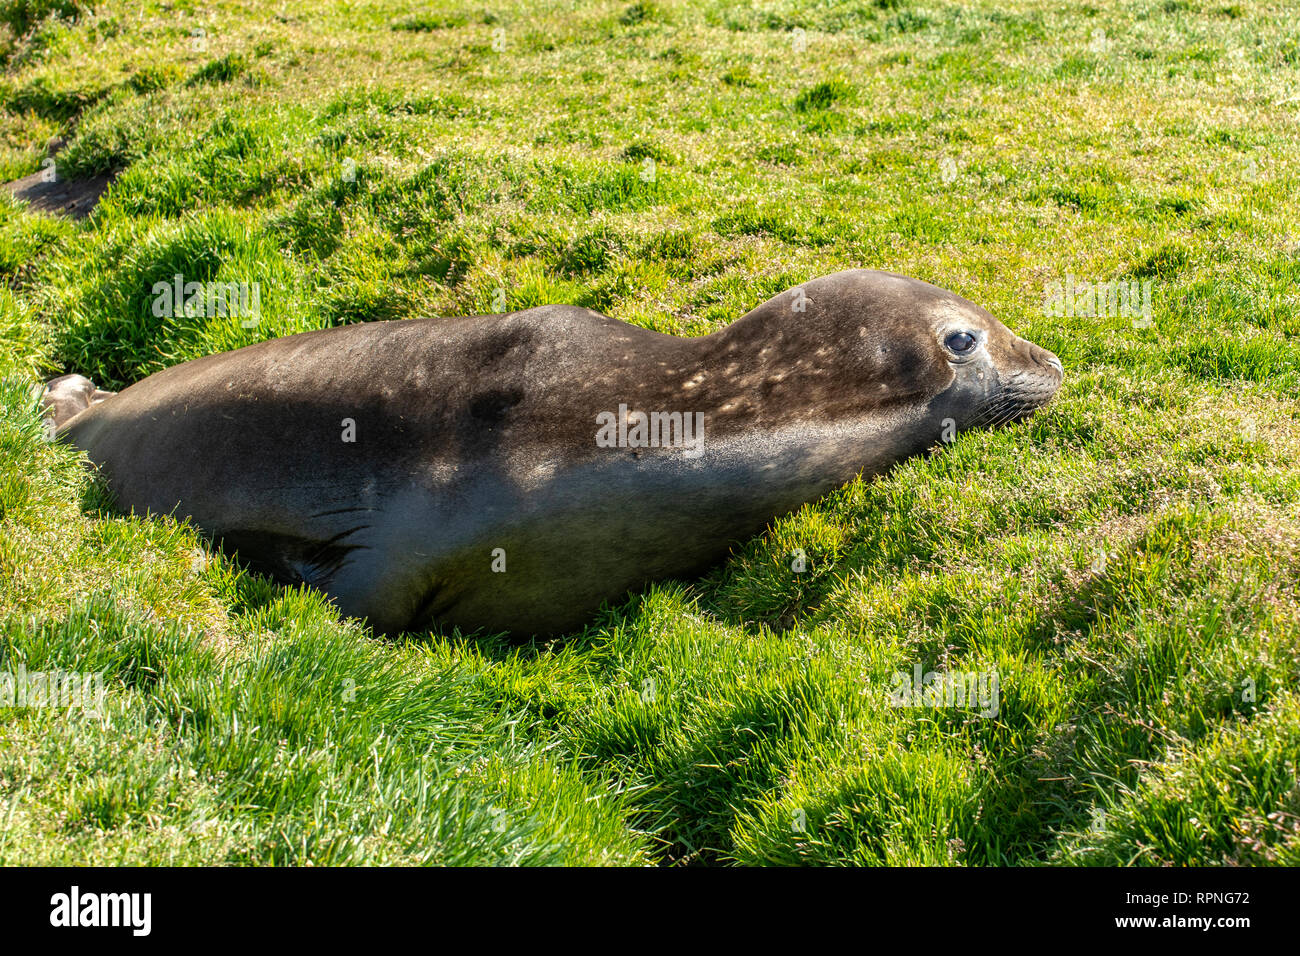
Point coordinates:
[[1127, 562]]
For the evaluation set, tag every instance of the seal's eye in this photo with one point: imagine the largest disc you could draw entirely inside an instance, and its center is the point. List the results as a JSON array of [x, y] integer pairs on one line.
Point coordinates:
[[960, 342]]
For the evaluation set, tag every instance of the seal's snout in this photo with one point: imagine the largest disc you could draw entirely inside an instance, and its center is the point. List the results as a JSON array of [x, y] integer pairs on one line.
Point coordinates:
[[1036, 369], [1046, 359], [1035, 357]]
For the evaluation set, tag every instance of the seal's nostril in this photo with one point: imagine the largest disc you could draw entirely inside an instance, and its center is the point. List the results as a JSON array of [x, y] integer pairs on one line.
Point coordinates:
[[1042, 356]]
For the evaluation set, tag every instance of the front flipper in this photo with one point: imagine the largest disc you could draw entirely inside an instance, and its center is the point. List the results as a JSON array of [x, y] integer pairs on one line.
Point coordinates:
[[68, 396]]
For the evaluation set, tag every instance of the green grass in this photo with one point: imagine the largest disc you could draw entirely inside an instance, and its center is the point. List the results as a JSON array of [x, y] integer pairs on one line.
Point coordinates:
[[674, 164]]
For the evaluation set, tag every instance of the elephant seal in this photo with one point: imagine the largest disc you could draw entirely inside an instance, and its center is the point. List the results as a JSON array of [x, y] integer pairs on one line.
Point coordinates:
[[513, 472]]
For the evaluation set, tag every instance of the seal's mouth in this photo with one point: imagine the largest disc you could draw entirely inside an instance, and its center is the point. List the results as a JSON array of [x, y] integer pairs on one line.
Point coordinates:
[[1021, 394]]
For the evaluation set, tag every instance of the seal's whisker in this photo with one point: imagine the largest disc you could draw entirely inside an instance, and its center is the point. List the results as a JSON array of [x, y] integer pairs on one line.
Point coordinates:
[[1016, 408], [984, 408], [991, 410], [1003, 408]]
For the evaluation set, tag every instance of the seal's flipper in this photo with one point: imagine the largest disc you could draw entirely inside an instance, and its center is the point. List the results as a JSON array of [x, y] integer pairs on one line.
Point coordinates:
[[68, 396]]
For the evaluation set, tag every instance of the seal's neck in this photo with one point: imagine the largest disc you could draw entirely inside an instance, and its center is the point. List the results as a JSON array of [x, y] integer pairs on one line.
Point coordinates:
[[778, 470]]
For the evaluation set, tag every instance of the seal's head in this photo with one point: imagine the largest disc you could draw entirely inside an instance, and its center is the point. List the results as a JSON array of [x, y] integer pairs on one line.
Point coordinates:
[[996, 376], [873, 341]]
